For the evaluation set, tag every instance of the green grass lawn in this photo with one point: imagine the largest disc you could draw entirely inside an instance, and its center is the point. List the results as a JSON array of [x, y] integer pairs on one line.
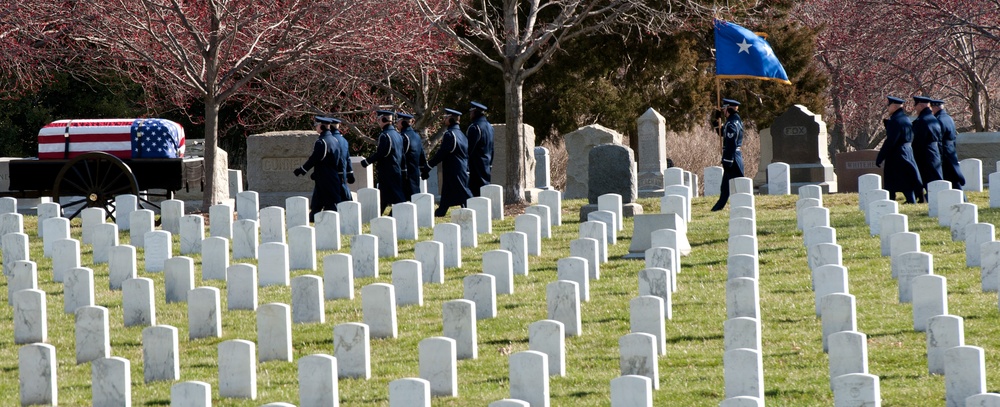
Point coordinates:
[[795, 367]]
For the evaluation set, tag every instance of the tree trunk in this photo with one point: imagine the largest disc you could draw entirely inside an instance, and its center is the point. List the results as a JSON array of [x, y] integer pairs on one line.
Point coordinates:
[[838, 143], [215, 191], [515, 172], [976, 109]]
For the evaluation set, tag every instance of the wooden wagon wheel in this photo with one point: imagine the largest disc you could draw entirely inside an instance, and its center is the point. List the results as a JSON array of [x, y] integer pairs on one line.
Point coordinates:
[[93, 180]]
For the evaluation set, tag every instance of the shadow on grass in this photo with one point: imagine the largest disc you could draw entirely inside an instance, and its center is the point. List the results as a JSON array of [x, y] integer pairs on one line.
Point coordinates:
[[128, 342], [504, 341], [883, 334], [205, 366], [317, 342], [888, 377], [794, 320], [582, 393], [785, 393], [790, 291], [684, 338], [158, 403], [501, 380]]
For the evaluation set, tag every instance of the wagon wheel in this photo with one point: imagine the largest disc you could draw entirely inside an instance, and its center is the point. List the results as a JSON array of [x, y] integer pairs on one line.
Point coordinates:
[[93, 180]]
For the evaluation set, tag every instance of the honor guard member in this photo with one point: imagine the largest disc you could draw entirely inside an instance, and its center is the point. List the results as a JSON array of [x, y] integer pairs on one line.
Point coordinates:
[[732, 154], [926, 137], [480, 137], [388, 160], [453, 153], [900, 173], [950, 169], [331, 159], [415, 161]]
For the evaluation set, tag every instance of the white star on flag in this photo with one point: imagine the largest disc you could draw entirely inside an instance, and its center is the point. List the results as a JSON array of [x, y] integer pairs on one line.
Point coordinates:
[[767, 51], [744, 46]]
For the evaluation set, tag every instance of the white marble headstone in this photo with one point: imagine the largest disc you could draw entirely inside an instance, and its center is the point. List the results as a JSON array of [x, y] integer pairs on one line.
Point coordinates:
[[220, 221], [327, 230], [364, 253], [274, 332], [449, 234], [459, 321], [352, 348], [307, 300], [378, 308]]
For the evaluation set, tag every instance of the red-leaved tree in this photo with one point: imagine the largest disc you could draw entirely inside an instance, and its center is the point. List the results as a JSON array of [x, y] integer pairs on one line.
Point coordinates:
[[940, 48], [407, 74], [216, 50]]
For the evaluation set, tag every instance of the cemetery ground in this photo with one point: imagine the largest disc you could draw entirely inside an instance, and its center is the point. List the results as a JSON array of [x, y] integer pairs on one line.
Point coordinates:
[[691, 373]]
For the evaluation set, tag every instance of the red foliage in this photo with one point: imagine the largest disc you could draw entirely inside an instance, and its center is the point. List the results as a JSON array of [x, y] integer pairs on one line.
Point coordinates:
[[942, 48], [282, 55]]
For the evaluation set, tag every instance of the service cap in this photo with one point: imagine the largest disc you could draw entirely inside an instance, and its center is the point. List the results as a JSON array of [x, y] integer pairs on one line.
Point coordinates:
[[895, 100], [326, 120]]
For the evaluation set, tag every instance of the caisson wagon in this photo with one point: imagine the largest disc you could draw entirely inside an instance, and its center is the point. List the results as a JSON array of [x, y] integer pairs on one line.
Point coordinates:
[[87, 163]]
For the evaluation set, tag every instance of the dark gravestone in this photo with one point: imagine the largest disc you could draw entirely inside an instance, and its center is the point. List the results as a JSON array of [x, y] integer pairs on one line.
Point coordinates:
[[799, 139], [612, 171], [852, 165]]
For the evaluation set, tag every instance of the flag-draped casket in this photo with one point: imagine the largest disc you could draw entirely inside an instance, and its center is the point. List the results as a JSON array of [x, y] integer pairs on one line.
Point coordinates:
[[123, 138]]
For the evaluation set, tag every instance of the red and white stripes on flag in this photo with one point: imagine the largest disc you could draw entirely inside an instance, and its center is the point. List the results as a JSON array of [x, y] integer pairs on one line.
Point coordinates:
[[112, 136]]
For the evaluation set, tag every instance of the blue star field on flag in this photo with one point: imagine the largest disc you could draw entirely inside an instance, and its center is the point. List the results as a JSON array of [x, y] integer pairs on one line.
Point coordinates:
[[739, 53], [156, 138]]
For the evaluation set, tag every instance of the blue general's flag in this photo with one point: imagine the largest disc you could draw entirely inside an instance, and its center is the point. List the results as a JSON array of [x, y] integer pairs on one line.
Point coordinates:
[[739, 53]]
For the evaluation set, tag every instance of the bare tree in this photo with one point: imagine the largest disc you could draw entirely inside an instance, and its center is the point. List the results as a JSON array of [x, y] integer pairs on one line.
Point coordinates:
[[519, 37], [215, 50]]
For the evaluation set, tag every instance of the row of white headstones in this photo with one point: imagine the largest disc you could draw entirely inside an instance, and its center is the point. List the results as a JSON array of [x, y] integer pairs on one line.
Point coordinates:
[[238, 358], [963, 366]]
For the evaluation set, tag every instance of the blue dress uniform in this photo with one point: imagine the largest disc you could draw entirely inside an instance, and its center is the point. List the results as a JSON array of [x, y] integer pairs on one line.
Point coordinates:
[[732, 156], [345, 152], [454, 154], [331, 159], [926, 137], [480, 135], [901, 173], [950, 169], [414, 158], [388, 160]]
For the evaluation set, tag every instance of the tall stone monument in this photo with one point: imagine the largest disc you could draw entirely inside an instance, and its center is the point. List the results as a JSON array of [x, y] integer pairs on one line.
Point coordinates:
[[799, 139], [501, 142], [765, 158], [612, 171], [578, 146], [271, 158], [652, 153]]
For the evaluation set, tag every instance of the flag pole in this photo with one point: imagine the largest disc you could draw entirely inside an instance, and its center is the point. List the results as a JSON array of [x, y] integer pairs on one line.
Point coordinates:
[[718, 105]]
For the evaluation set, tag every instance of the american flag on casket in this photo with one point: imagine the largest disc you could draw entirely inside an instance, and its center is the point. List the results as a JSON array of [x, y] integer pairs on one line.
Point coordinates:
[[157, 138], [123, 138]]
